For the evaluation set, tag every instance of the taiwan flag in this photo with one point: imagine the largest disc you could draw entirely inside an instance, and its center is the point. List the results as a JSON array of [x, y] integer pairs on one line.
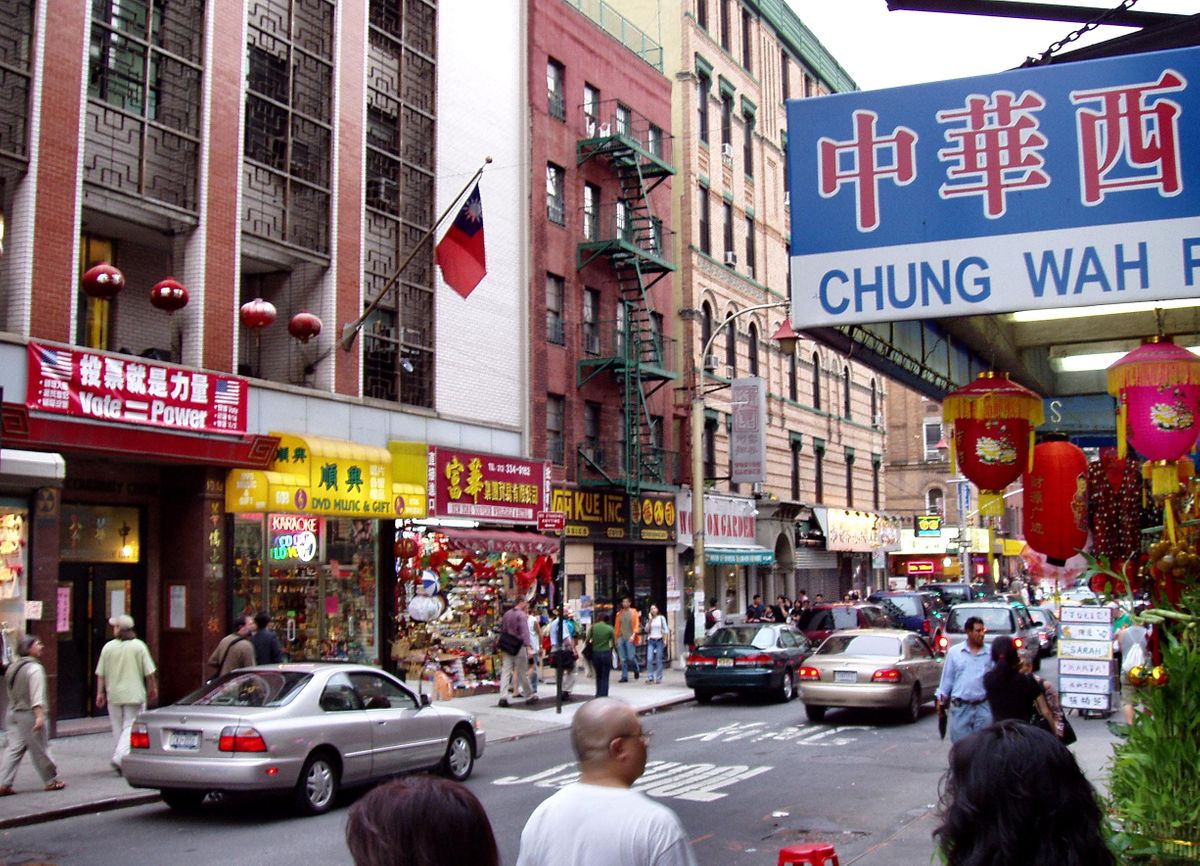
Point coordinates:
[[460, 251]]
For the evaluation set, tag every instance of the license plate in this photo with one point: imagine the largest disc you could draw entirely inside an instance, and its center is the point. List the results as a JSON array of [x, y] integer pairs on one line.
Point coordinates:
[[188, 741], [724, 663], [845, 677]]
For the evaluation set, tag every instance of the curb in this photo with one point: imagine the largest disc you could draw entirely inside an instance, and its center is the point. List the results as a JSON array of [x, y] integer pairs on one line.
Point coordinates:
[[108, 804]]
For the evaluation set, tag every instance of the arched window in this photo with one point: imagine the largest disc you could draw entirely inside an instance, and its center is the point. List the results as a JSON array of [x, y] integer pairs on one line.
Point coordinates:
[[875, 419], [706, 324], [935, 501], [752, 349], [730, 346], [846, 392], [816, 382]]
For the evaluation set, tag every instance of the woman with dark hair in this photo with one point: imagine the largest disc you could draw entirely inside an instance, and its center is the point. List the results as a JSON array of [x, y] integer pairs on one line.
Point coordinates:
[[420, 821], [996, 809], [1010, 693]]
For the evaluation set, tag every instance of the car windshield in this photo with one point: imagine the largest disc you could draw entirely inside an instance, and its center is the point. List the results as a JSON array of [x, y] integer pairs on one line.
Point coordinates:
[[860, 645], [908, 604], [1041, 617], [743, 635], [994, 618], [249, 689], [954, 593], [816, 620]]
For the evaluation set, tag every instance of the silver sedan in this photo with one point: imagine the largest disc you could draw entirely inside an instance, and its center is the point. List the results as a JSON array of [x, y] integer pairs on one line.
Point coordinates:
[[879, 668], [308, 729]]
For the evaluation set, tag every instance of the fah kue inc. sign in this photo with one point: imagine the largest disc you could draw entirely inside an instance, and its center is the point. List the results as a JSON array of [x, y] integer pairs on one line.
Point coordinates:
[[1059, 186]]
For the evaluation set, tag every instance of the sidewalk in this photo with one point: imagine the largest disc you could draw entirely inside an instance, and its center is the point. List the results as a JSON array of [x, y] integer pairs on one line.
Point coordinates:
[[93, 786]]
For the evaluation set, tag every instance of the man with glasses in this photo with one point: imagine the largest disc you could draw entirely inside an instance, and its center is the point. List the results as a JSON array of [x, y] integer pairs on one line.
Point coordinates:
[[962, 683], [622, 827]]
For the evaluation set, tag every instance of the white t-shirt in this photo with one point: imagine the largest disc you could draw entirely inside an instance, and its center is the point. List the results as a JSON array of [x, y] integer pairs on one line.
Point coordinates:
[[657, 628], [597, 824]]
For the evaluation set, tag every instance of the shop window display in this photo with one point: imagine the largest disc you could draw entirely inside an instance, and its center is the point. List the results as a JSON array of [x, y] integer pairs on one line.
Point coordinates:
[[316, 576]]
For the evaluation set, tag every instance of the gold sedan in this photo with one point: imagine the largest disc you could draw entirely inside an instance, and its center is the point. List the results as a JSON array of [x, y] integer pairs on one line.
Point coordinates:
[[880, 668]]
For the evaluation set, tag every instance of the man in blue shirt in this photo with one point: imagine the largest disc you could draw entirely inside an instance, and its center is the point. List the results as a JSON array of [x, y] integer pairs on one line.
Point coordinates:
[[962, 682]]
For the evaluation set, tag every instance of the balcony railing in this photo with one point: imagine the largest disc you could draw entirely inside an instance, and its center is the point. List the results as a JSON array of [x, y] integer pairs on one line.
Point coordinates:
[[613, 118], [608, 340], [618, 26], [636, 232]]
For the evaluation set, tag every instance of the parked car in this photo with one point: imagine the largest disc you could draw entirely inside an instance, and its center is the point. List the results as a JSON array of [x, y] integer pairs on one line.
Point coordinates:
[[821, 620], [745, 658], [1046, 622], [915, 610], [307, 729], [999, 618], [875, 668], [953, 593]]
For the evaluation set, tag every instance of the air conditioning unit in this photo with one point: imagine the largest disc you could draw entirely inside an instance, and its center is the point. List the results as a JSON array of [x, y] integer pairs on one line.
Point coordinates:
[[879, 420], [727, 151], [591, 127], [731, 258], [787, 199], [605, 130], [711, 362]]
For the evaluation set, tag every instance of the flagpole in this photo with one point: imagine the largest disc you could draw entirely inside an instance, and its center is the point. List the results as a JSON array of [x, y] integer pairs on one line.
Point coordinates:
[[350, 331]]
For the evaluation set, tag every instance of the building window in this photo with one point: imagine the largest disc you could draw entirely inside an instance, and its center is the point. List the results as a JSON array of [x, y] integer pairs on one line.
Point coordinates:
[[816, 380], [555, 207], [705, 223], [591, 323], [554, 428], [96, 314], [554, 310], [793, 384], [876, 418], [556, 102], [703, 85], [747, 40], [591, 212], [706, 329], [751, 253], [656, 334], [849, 479], [622, 318], [748, 143], [730, 347], [727, 122], [710, 450], [623, 120], [797, 444], [935, 501], [875, 471], [591, 430], [752, 348], [846, 392], [654, 140], [730, 255], [591, 109], [935, 448], [724, 11], [785, 71], [702, 13], [819, 470]]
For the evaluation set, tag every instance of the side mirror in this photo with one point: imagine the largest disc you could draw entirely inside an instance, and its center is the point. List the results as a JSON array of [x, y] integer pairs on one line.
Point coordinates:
[[425, 700]]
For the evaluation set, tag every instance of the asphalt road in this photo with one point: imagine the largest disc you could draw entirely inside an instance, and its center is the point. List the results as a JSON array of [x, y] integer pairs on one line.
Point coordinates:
[[745, 777]]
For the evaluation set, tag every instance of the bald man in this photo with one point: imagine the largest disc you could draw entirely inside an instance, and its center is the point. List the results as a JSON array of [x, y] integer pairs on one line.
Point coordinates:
[[600, 819]]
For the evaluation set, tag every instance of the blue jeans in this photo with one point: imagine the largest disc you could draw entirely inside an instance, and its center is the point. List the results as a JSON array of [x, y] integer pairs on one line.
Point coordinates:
[[654, 659], [602, 664], [627, 653], [966, 719]]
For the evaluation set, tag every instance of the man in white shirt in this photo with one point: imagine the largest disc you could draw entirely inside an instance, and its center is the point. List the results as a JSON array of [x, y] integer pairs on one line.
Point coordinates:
[[622, 827]]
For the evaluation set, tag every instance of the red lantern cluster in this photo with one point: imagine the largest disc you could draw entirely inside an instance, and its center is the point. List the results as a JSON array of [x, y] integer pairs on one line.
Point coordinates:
[[257, 314], [169, 295], [304, 326], [1055, 498], [103, 281]]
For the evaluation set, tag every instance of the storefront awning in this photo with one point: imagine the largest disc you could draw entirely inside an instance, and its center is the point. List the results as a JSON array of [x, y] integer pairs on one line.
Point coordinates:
[[501, 541], [750, 554]]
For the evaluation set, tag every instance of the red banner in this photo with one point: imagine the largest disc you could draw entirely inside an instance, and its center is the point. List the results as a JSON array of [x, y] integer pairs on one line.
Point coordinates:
[[486, 486], [84, 383]]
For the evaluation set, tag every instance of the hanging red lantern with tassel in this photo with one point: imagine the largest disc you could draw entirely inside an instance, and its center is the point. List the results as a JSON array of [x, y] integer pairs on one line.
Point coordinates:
[[169, 295], [257, 314], [102, 281], [1158, 389], [1055, 500], [993, 421], [304, 326]]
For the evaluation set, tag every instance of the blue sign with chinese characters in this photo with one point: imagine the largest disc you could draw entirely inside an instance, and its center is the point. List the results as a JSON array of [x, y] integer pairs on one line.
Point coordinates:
[[1057, 186]]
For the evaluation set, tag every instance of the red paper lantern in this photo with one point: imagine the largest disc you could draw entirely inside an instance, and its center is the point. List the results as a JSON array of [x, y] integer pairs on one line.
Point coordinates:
[[304, 326], [257, 314], [169, 295], [405, 548], [1055, 496], [993, 422], [103, 281]]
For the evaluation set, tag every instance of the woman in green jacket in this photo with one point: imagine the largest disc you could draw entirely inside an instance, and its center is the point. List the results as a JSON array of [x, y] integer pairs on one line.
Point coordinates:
[[600, 636]]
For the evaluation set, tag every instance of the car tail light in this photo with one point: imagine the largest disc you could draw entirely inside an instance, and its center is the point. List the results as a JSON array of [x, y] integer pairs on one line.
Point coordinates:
[[886, 675], [1018, 642], [754, 661], [943, 643], [925, 626], [240, 738], [139, 736], [808, 673], [699, 661]]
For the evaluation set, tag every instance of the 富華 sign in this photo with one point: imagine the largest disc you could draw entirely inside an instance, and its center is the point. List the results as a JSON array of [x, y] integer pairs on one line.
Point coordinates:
[[486, 486], [1056, 186]]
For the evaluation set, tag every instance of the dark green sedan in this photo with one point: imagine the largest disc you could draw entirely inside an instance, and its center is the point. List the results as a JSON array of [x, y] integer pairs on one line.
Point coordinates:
[[748, 658]]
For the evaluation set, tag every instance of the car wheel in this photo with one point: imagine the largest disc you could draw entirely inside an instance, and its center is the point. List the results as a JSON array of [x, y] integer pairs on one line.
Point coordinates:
[[787, 691], [460, 756], [913, 713], [182, 799], [814, 713], [317, 787], [703, 696]]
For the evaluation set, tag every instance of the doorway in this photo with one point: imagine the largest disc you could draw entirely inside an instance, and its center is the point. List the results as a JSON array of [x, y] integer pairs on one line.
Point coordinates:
[[88, 595]]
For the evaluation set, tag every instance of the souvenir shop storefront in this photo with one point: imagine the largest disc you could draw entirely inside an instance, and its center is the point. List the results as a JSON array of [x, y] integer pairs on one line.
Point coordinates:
[[861, 541]]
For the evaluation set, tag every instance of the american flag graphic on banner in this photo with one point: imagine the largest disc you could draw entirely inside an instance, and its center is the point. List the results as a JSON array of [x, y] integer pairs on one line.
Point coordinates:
[[227, 392], [55, 363]]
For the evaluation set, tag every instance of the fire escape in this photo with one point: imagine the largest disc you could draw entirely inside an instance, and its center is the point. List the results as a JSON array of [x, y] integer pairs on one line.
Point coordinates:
[[637, 247]]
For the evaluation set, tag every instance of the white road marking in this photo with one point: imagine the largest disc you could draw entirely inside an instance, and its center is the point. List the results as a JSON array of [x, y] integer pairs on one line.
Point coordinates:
[[756, 732], [699, 783]]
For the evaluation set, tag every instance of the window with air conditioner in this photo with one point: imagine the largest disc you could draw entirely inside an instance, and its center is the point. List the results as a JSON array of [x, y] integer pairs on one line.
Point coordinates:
[[935, 446]]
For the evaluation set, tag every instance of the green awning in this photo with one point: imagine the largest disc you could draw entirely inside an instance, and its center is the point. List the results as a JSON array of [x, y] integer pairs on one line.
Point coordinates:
[[751, 554]]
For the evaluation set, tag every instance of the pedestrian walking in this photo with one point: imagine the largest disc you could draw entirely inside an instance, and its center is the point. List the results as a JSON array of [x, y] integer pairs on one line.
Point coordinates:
[[961, 686], [1010, 693], [657, 633], [1133, 646], [628, 634], [514, 669], [125, 681], [601, 636], [235, 650], [599, 818], [563, 655], [535, 651], [26, 679], [267, 650]]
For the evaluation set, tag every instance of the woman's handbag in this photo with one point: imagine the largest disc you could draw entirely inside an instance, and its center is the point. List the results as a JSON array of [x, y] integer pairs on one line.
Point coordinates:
[[1068, 736], [587, 651], [509, 644]]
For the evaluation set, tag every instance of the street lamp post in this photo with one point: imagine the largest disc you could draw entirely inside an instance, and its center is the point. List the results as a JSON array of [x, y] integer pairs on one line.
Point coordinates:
[[787, 339]]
